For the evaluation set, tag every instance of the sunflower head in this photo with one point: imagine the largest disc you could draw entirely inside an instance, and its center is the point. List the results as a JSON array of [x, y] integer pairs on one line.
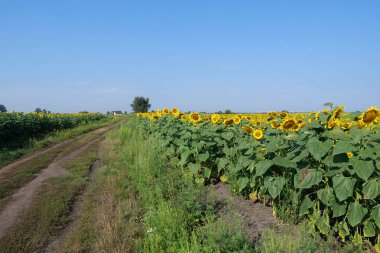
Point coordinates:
[[165, 111], [326, 111], [289, 124], [237, 119], [346, 125], [175, 112], [215, 118], [350, 155], [274, 124], [228, 122], [195, 117], [283, 114], [247, 129], [223, 178], [333, 123], [370, 116], [183, 117], [159, 112], [258, 134]]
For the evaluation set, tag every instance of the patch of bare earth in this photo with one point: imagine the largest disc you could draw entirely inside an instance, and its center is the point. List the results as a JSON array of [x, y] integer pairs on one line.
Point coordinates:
[[254, 217], [75, 211]]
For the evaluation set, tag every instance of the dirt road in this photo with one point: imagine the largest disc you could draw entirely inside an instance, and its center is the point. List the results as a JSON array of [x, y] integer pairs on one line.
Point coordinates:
[[23, 198]]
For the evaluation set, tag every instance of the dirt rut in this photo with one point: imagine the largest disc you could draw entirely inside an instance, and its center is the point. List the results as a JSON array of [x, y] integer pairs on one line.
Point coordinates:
[[24, 197], [75, 212]]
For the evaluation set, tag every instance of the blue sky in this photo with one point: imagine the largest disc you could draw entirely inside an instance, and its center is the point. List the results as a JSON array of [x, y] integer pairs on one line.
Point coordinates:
[[247, 56]]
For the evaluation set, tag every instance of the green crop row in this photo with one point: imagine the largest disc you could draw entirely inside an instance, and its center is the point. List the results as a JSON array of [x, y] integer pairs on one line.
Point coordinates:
[[329, 176]]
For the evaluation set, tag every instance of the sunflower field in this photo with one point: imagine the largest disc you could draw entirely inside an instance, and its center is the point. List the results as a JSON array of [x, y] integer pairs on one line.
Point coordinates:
[[323, 166], [17, 127]]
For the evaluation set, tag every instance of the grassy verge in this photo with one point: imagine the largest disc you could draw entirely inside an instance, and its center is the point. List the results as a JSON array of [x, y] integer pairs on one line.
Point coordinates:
[[50, 209], [9, 155], [140, 203]]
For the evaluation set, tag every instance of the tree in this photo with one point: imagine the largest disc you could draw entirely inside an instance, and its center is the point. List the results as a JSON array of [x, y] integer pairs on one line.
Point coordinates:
[[140, 104], [3, 108], [38, 110], [227, 111]]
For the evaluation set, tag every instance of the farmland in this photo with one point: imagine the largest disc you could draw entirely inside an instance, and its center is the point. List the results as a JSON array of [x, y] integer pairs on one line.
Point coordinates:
[[168, 181], [323, 167]]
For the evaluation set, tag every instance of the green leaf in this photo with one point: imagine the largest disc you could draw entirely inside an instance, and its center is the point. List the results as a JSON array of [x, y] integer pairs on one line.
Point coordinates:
[[307, 179], [283, 162], [356, 213], [203, 157], [342, 147], [222, 162], [339, 209], [262, 167], [207, 172], [323, 223], [242, 183], [194, 168], [369, 229], [275, 186], [305, 206], [375, 215], [343, 186], [319, 149], [371, 189], [326, 196], [227, 136], [336, 134], [363, 169]]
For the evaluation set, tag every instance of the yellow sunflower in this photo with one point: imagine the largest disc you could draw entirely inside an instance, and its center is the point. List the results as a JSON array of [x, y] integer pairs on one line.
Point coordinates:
[[258, 134], [183, 116], [333, 123], [165, 111], [247, 129], [223, 178], [237, 119], [350, 155], [215, 118], [370, 116], [289, 124], [175, 112], [228, 122], [195, 117], [274, 124]]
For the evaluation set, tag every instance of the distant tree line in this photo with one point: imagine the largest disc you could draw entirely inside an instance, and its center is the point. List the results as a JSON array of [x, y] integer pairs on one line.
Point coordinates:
[[3, 108]]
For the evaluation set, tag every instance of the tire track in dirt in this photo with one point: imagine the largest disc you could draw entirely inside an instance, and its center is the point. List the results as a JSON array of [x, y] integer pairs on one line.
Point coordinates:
[[76, 208], [24, 197]]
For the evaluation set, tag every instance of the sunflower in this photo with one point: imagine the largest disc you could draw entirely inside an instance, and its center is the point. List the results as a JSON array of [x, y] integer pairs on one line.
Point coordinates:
[[370, 116], [253, 196], [175, 112], [346, 125], [183, 116], [289, 124], [237, 119], [337, 112], [215, 118], [326, 111], [258, 134], [228, 122], [274, 124], [195, 117], [159, 112], [350, 155], [165, 111], [223, 178], [247, 129], [249, 118], [283, 114], [333, 123]]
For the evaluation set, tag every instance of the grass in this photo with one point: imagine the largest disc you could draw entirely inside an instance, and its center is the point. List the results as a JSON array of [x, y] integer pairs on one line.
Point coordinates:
[[50, 210], [9, 155]]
